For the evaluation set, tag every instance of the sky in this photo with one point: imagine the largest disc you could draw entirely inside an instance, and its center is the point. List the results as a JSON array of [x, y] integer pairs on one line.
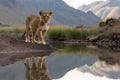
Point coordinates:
[[77, 3]]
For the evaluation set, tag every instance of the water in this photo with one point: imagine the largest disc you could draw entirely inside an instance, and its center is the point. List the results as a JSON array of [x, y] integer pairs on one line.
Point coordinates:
[[102, 61]]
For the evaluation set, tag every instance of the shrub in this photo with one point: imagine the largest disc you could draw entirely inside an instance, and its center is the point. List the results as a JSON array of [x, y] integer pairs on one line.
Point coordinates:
[[110, 21], [102, 24]]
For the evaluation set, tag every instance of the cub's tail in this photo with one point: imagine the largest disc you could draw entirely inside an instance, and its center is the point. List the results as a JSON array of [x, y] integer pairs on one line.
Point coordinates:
[[23, 35]]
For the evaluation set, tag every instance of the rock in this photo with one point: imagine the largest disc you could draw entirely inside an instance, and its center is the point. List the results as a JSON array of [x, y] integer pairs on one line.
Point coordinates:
[[108, 36]]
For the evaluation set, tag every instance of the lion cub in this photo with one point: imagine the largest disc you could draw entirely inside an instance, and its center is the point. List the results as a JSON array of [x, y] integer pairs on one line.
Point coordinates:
[[38, 25]]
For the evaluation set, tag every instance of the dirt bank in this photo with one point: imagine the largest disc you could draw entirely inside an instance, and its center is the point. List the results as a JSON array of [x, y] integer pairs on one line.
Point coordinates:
[[12, 49]]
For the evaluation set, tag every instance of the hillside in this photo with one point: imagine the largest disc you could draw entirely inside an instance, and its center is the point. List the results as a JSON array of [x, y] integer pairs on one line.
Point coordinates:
[[104, 9], [14, 12]]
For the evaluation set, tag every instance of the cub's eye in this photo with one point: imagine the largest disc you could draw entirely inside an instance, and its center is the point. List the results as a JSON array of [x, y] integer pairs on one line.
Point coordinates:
[[43, 16]]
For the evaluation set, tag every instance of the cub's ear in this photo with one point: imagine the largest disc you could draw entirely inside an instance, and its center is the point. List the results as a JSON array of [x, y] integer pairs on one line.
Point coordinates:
[[41, 12], [50, 12]]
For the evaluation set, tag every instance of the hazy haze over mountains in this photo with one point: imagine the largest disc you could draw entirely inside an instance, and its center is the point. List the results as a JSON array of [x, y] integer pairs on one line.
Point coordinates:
[[103, 9], [14, 12]]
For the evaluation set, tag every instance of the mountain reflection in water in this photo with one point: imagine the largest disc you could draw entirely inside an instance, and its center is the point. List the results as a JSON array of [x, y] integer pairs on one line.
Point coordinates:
[[100, 68], [107, 64], [88, 61]]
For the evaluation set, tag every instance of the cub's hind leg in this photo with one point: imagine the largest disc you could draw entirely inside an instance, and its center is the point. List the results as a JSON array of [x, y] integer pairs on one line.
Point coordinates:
[[27, 37], [34, 36], [27, 34]]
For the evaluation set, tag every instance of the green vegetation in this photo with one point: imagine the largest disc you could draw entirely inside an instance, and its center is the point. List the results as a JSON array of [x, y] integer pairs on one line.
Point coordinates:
[[68, 33]]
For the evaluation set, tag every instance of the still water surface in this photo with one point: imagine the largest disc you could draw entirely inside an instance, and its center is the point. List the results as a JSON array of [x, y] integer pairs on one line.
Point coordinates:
[[95, 60]]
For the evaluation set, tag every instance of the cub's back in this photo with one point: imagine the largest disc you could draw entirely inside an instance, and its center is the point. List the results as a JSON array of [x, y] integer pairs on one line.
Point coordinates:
[[31, 18]]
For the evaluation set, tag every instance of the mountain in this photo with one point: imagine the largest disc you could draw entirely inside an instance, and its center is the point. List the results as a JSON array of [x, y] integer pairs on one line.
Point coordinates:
[[104, 9], [14, 12]]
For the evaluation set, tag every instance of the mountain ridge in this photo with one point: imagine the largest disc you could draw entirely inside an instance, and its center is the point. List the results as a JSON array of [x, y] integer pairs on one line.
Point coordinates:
[[104, 9], [15, 12]]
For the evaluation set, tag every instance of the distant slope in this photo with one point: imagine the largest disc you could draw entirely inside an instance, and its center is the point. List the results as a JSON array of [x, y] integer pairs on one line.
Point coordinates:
[[11, 12], [14, 12], [107, 9]]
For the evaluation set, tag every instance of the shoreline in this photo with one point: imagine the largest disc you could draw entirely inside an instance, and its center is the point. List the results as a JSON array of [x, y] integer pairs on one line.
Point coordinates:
[[99, 42]]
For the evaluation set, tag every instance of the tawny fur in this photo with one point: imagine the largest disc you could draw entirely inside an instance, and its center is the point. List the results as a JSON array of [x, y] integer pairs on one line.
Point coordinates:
[[38, 25]]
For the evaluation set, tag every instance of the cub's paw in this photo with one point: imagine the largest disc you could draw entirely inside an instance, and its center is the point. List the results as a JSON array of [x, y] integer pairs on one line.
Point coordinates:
[[44, 43], [27, 41], [39, 42]]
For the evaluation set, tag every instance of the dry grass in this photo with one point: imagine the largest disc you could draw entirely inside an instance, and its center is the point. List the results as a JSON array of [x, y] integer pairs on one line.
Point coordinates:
[[13, 29]]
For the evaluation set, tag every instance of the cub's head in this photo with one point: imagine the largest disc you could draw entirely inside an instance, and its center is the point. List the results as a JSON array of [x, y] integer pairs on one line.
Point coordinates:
[[45, 16]]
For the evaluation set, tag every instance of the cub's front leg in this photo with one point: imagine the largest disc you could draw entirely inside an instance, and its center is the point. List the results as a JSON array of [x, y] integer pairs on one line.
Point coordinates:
[[44, 32], [41, 38]]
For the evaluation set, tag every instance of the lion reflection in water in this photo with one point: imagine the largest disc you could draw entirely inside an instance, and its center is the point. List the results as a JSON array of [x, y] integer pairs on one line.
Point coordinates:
[[38, 71]]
